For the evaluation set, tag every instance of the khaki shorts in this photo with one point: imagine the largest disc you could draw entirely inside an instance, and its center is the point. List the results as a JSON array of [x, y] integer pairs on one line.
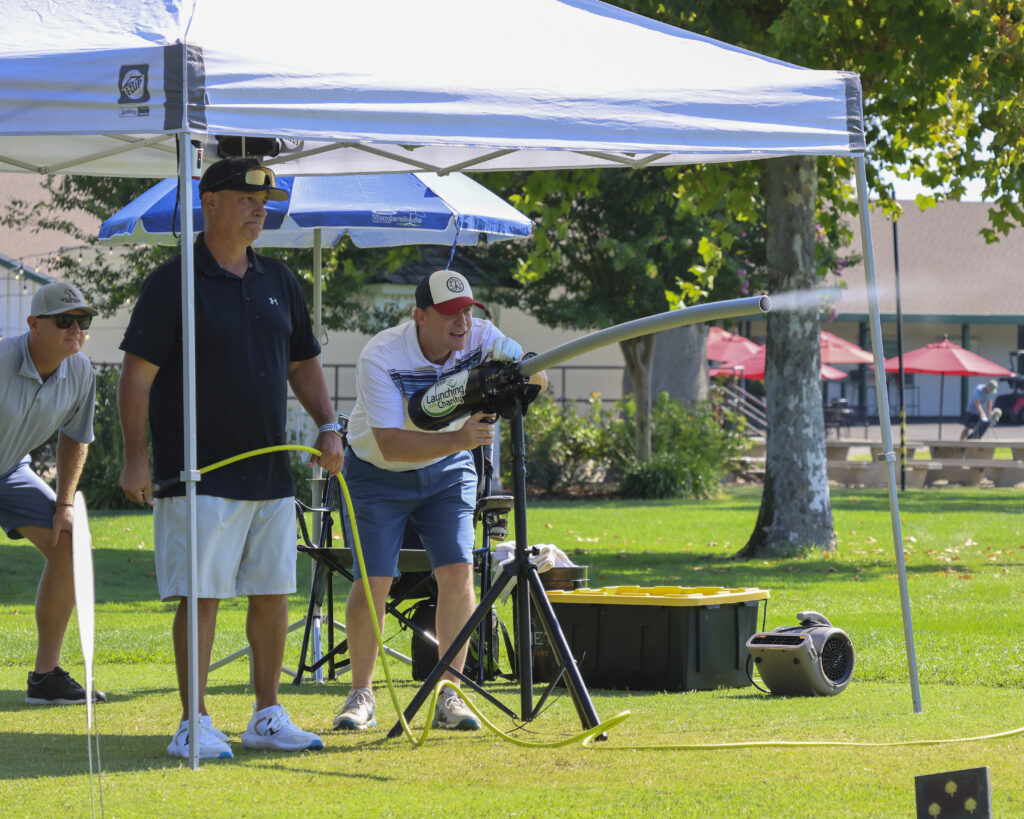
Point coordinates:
[[243, 547]]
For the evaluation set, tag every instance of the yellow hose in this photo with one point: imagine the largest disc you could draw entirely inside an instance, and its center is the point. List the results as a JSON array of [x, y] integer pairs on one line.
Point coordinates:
[[252, 453]]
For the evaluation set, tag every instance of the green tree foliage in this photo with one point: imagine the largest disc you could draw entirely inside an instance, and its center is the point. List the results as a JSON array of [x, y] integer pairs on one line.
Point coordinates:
[[615, 245]]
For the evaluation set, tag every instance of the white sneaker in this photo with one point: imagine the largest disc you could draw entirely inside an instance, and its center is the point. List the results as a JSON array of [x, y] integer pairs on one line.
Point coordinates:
[[271, 729], [451, 712], [207, 723], [357, 712], [211, 746]]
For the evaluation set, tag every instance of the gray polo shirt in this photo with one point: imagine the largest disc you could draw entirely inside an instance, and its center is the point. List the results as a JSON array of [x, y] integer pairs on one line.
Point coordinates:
[[32, 409]]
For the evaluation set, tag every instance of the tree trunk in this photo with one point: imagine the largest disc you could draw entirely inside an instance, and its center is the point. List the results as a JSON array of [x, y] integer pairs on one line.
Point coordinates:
[[796, 513], [639, 353], [679, 366]]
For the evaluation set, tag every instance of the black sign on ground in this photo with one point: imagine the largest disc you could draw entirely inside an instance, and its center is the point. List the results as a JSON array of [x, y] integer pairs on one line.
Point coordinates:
[[954, 795]]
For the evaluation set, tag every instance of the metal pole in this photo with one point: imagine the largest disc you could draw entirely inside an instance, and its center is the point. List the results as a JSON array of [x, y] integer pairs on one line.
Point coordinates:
[[714, 311], [190, 471], [317, 481], [887, 455], [899, 352]]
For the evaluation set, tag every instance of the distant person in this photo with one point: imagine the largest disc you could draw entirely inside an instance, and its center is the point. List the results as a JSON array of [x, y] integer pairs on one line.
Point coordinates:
[[48, 385], [980, 408], [253, 338]]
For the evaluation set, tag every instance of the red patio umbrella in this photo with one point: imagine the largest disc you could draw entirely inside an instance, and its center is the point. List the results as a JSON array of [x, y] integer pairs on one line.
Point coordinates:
[[945, 358], [726, 346], [836, 350], [753, 368]]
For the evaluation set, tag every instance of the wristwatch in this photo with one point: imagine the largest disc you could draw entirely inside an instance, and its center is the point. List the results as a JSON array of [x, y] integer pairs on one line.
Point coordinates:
[[332, 427]]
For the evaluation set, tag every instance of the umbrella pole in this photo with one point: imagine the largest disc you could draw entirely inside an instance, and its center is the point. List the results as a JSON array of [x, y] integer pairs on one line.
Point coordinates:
[[887, 456], [942, 388]]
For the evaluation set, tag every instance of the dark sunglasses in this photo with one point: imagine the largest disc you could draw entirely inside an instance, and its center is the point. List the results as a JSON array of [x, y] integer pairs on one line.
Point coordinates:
[[65, 320]]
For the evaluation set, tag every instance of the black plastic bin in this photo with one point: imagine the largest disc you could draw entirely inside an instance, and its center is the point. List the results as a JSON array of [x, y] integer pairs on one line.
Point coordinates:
[[663, 638]]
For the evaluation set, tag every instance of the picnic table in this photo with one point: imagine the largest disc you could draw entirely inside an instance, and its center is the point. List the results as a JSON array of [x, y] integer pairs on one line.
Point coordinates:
[[959, 462], [969, 461], [973, 448], [839, 450], [912, 447]]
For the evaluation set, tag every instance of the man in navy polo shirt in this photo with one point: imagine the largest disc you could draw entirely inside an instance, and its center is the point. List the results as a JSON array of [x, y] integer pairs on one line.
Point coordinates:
[[253, 338]]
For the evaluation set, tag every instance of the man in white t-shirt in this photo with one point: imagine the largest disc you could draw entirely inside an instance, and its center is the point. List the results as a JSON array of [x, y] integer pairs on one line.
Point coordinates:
[[397, 472]]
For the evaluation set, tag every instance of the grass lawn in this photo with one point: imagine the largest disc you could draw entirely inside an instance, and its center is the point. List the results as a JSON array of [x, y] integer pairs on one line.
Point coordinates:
[[965, 558]]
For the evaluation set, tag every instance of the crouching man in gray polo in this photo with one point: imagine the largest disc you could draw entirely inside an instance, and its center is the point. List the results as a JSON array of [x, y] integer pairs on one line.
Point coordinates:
[[48, 385]]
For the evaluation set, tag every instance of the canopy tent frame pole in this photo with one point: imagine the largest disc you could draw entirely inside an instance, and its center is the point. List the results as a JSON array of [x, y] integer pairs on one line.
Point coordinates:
[[317, 480], [190, 472], [887, 456]]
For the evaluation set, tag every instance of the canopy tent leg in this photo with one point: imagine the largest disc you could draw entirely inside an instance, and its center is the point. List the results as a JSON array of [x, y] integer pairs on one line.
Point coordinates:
[[317, 481], [888, 456], [190, 473]]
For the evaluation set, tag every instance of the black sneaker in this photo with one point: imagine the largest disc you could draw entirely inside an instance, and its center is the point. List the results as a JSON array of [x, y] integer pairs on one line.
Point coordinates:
[[57, 688]]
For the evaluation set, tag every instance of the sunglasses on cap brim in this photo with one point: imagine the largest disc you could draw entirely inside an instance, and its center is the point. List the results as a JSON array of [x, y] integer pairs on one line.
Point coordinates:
[[259, 177], [65, 320]]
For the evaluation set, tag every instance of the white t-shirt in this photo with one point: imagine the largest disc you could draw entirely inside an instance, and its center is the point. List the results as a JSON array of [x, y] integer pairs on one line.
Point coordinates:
[[389, 370]]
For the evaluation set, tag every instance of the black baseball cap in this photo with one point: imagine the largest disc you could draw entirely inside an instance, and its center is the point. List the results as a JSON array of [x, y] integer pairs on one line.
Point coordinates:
[[239, 173]]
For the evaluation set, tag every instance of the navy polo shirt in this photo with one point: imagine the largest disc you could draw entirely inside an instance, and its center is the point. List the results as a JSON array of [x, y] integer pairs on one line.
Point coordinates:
[[248, 330]]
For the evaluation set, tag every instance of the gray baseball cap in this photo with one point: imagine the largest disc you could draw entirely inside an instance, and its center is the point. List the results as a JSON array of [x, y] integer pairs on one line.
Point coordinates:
[[59, 297]]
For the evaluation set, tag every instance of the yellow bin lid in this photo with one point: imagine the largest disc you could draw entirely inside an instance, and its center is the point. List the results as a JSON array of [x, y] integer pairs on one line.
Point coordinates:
[[659, 595]]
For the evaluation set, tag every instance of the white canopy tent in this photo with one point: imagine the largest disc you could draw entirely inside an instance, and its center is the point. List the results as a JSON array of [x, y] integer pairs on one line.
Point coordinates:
[[121, 88], [398, 86]]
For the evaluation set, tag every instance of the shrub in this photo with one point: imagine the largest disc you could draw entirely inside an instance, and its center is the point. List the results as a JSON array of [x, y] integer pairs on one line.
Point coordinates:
[[691, 448], [561, 445], [660, 477]]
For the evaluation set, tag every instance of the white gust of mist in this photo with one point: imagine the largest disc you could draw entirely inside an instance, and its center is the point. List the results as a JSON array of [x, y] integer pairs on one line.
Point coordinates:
[[823, 299]]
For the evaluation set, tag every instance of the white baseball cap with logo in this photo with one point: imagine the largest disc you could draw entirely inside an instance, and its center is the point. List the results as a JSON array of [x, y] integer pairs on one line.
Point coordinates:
[[59, 297], [446, 291]]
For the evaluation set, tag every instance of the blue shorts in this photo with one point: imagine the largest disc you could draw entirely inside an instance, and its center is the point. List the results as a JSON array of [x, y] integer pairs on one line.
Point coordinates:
[[439, 500], [25, 500]]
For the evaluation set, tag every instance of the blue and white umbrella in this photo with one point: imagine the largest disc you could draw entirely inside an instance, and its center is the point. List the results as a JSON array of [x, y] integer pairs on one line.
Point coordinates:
[[374, 210]]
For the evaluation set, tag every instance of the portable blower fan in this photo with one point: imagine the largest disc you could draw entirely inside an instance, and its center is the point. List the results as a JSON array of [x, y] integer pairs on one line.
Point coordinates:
[[812, 659]]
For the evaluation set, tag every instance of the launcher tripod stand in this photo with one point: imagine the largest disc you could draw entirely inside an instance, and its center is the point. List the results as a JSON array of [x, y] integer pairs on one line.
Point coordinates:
[[528, 587]]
